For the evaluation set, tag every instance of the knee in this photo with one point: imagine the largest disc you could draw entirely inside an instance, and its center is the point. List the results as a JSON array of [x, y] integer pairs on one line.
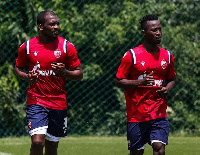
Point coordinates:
[[159, 148], [38, 140], [38, 143]]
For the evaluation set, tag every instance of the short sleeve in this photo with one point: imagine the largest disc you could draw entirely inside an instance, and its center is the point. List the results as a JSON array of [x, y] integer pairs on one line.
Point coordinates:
[[73, 60], [21, 60], [170, 74], [125, 66]]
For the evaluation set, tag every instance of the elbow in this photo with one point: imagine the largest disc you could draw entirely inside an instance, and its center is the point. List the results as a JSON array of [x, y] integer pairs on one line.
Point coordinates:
[[118, 83], [78, 77], [16, 71]]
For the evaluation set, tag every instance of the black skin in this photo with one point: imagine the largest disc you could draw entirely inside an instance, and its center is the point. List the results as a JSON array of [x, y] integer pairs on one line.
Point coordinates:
[[152, 37], [48, 32]]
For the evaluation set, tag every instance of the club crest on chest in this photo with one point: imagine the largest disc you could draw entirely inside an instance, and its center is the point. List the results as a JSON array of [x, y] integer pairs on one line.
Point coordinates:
[[57, 53], [164, 64]]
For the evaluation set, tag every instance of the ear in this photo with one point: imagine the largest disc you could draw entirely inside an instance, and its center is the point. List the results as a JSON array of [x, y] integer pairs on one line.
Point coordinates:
[[143, 32], [40, 27]]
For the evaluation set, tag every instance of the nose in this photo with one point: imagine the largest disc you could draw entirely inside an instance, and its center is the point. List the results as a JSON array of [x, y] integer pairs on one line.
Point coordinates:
[[158, 32], [56, 26]]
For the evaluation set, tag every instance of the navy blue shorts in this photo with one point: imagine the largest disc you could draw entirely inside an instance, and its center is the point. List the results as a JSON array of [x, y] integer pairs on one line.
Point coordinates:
[[140, 133], [42, 120]]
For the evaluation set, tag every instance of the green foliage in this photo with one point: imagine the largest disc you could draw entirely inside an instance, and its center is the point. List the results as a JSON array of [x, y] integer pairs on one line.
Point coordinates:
[[92, 71], [102, 31], [11, 112], [185, 100], [116, 122]]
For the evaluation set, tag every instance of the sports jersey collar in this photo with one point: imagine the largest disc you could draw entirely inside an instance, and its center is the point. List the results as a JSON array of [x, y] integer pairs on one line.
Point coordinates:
[[38, 40], [142, 46]]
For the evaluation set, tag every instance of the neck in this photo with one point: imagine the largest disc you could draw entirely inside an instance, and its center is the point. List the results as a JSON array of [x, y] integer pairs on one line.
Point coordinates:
[[46, 40], [151, 48]]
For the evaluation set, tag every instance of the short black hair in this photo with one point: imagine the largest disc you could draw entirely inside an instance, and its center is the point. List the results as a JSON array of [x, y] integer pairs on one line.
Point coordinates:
[[146, 18], [41, 16]]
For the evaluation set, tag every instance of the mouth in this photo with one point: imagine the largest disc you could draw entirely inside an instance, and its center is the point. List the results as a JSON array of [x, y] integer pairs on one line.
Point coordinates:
[[158, 38], [55, 32]]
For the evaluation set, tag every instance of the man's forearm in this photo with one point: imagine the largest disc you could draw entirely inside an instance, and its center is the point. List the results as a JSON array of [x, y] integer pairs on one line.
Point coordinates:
[[21, 74], [74, 75], [125, 83]]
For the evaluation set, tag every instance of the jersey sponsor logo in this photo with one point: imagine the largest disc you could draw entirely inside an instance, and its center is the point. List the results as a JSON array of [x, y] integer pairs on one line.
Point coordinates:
[[158, 83], [164, 64], [142, 76], [57, 53], [46, 72], [36, 68]]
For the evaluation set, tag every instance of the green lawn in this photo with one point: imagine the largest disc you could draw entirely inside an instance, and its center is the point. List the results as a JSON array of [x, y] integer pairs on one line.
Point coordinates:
[[100, 146]]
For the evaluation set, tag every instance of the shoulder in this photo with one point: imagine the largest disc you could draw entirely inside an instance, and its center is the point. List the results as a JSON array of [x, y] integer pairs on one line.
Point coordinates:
[[127, 57], [29, 43], [135, 52], [61, 39], [22, 48], [138, 50], [70, 48], [167, 54], [164, 51], [65, 41], [33, 40], [69, 44]]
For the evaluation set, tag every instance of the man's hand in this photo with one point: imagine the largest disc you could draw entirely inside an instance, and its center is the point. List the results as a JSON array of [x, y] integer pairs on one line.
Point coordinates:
[[32, 77], [149, 80], [163, 92], [59, 68]]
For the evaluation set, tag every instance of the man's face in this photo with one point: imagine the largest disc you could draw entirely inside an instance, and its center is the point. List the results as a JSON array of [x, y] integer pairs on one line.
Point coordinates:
[[152, 33], [51, 26]]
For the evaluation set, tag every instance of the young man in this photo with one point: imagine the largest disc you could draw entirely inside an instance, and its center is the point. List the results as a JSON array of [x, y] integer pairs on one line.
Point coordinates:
[[147, 74], [50, 59]]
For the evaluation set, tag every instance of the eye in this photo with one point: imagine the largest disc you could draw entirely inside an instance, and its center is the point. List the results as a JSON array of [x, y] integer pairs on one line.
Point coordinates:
[[154, 30], [53, 24]]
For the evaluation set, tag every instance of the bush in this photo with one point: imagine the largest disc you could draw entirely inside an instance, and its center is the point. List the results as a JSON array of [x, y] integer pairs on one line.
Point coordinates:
[[12, 114]]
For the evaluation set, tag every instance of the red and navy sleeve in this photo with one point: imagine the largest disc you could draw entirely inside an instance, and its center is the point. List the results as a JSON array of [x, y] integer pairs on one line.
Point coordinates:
[[73, 60], [21, 61], [125, 66], [170, 74]]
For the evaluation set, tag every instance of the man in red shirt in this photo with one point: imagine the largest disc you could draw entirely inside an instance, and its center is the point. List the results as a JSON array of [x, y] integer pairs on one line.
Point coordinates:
[[50, 59], [147, 74]]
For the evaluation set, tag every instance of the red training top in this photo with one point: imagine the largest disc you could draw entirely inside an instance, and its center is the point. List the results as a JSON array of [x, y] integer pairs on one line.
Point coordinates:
[[49, 90], [143, 102]]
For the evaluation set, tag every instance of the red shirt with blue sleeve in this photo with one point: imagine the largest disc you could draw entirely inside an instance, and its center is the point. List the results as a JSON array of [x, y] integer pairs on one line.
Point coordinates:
[[143, 102]]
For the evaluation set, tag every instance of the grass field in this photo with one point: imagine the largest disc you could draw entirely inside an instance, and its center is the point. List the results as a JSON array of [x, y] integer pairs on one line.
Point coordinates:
[[100, 146]]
